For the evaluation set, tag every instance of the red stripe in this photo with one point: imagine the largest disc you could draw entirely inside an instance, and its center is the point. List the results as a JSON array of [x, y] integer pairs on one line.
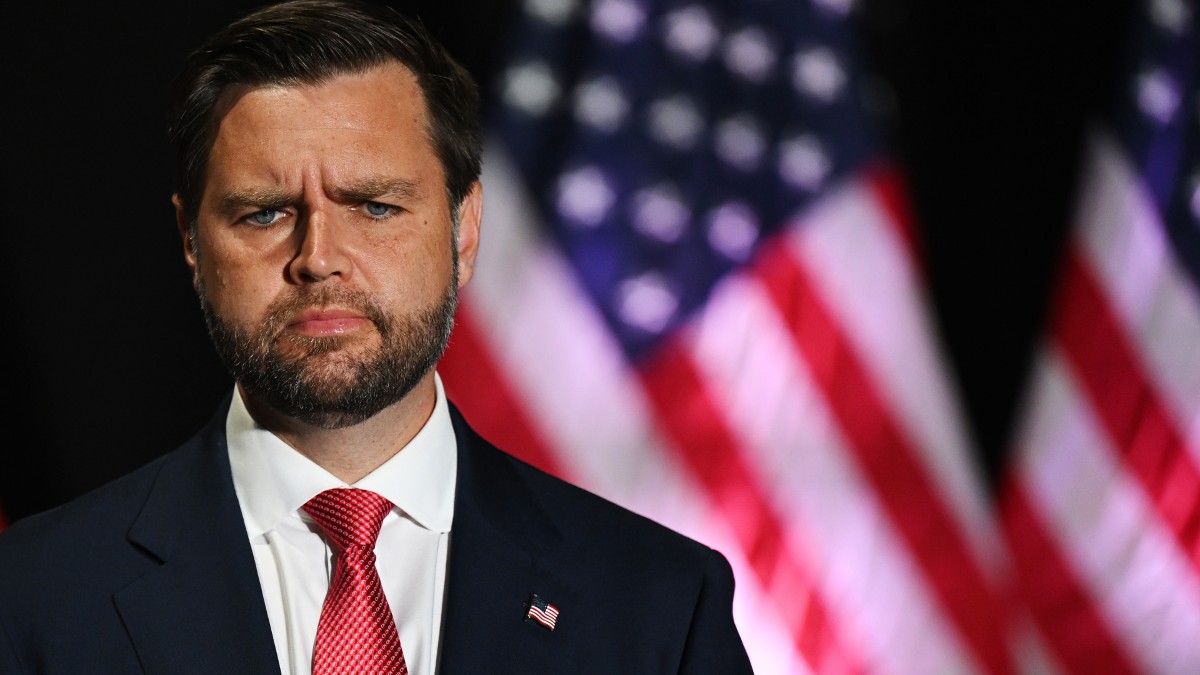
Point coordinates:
[[1080, 638], [890, 188], [704, 442], [542, 617], [476, 384], [1133, 415], [888, 460]]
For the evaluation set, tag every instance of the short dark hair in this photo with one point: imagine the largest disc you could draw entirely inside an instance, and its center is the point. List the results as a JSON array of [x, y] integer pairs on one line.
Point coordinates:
[[310, 42]]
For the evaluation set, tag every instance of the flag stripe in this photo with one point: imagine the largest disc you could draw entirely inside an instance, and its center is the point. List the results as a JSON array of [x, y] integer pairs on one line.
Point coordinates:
[[1105, 526], [1079, 637], [1151, 295], [473, 381], [853, 250], [702, 438], [1108, 446], [1131, 410], [888, 460], [887, 184], [874, 589], [1032, 652]]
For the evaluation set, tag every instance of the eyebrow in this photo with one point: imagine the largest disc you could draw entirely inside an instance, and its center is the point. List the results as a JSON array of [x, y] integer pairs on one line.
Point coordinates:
[[262, 197]]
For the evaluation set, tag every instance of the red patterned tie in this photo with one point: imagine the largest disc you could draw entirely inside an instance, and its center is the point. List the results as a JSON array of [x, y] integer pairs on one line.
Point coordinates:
[[356, 633]]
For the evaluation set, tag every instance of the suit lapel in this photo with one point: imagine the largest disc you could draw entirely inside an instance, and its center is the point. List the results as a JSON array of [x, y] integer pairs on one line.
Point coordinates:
[[201, 610], [501, 548]]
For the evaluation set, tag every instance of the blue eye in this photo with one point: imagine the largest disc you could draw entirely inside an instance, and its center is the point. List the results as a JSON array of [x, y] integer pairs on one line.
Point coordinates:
[[376, 209], [264, 217]]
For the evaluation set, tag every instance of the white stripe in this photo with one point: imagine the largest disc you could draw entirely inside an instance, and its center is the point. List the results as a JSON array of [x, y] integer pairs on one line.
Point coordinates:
[[853, 251], [768, 638], [562, 361], [563, 365], [1156, 302], [1032, 655], [1108, 532], [876, 595]]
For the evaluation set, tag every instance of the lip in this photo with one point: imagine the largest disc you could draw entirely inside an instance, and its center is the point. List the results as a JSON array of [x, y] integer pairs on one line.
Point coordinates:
[[327, 321]]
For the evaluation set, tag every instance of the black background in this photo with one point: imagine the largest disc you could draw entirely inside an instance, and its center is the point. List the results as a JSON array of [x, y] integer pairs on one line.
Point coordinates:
[[109, 364]]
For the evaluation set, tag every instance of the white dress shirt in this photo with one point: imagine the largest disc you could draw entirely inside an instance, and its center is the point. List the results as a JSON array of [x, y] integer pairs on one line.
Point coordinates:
[[295, 562]]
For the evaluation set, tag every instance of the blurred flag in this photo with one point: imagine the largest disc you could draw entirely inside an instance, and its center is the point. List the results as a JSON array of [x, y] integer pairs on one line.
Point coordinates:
[[698, 295], [1102, 509]]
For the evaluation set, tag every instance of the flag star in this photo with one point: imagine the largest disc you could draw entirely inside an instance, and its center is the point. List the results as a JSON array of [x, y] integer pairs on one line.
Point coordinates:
[[1157, 95], [659, 212], [691, 33], [1172, 15], [585, 196], [531, 88], [733, 230], [554, 12], [600, 103], [840, 8], [675, 122], [817, 73], [646, 302], [803, 162], [618, 20], [750, 52], [739, 141]]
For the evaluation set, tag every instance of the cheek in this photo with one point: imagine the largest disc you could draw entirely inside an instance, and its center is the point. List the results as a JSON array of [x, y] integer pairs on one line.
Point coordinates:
[[411, 267], [238, 285]]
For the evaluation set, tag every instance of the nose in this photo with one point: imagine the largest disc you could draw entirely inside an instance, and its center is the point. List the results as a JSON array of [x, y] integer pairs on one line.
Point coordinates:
[[320, 254]]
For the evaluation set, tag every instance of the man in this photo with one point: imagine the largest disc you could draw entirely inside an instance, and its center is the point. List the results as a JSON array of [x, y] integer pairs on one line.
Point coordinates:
[[338, 514]]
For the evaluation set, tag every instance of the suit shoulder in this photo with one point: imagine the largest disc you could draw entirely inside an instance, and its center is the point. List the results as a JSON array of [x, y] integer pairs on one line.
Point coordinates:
[[603, 522]]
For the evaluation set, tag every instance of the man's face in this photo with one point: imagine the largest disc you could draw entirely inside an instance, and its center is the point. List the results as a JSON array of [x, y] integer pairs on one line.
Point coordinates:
[[324, 257]]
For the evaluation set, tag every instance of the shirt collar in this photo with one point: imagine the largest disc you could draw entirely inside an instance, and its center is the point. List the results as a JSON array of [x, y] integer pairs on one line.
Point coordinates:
[[273, 480]]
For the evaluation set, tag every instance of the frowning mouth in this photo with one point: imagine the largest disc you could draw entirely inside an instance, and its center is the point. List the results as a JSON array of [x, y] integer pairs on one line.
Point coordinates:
[[328, 322]]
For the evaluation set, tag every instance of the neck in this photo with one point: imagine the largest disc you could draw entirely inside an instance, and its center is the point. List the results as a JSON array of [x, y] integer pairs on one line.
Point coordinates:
[[352, 452]]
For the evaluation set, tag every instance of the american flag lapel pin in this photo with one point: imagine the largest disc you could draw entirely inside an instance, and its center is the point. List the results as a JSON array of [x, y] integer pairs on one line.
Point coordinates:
[[541, 611]]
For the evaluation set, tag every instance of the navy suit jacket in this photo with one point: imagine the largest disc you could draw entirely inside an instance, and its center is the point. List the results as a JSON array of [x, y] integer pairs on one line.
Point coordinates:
[[153, 574]]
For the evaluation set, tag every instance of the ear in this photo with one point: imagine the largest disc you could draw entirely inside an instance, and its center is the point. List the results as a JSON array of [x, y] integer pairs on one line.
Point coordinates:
[[470, 217], [189, 254]]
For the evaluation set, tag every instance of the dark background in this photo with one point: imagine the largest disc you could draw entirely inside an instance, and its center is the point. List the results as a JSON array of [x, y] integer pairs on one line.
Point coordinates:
[[108, 361]]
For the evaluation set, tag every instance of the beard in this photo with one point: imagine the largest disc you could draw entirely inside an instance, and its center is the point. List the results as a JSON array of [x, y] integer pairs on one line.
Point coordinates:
[[320, 380]]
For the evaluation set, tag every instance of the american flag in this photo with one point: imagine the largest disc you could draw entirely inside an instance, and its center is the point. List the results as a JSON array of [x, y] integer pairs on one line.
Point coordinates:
[[699, 295], [542, 612], [1102, 508]]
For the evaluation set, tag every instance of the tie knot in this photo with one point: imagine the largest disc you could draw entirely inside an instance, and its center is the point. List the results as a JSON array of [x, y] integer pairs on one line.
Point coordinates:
[[349, 516]]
